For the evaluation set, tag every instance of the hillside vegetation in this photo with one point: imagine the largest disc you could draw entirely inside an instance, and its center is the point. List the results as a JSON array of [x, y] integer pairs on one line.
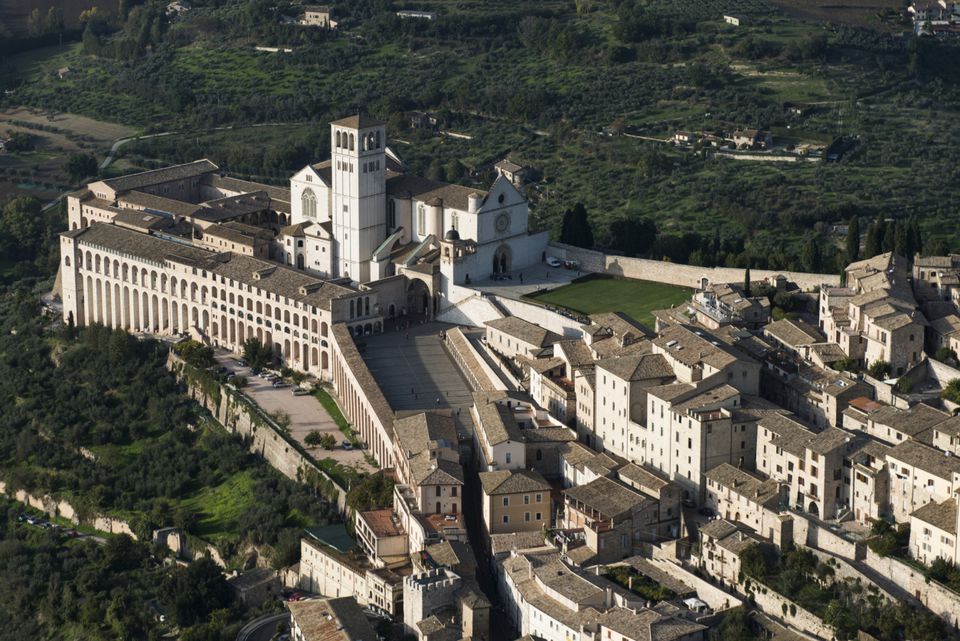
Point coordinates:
[[557, 85]]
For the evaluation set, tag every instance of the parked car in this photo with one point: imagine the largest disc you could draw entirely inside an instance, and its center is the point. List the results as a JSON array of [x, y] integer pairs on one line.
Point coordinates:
[[299, 391], [279, 383], [241, 363], [347, 445], [571, 264], [553, 261]]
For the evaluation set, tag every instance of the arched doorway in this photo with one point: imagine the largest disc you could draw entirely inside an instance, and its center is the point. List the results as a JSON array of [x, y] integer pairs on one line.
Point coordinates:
[[502, 260], [813, 509], [418, 297]]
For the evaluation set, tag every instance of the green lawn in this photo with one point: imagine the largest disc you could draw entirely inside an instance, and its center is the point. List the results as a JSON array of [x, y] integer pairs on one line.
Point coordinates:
[[637, 298], [218, 508]]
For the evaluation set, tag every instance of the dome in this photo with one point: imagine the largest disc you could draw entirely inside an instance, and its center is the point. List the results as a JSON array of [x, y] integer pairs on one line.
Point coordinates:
[[452, 234]]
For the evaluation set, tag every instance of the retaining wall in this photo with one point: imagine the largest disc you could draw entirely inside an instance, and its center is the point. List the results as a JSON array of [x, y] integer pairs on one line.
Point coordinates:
[[677, 273], [814, 534], [545, 318], [60, 508], [474, 310], [938, 598], [241, 416], [772, 604]]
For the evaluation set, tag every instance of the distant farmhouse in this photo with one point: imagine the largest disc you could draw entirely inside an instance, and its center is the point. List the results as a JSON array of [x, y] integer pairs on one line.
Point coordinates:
[[317, 16]]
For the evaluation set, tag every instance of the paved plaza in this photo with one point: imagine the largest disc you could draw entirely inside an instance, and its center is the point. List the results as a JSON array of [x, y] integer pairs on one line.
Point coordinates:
[[415, 372], [522, 282]]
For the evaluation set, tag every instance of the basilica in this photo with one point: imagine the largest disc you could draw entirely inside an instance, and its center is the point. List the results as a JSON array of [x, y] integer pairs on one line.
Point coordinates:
[[357, 220]]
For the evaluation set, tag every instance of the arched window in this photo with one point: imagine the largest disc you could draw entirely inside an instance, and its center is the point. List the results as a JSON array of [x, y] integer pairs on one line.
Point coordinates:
[[366, 306], [66, 261], [351, 142], [352, 308], [454, 221], [391, 213], [338, 139], [421, 220], [377, 139], [308, 203]]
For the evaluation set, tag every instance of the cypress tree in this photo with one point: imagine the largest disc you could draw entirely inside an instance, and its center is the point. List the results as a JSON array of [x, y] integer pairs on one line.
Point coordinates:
[[581, 233], [889, 237], [565, 227], [900, 246], [746, 283], [853, 239], [874, 244]]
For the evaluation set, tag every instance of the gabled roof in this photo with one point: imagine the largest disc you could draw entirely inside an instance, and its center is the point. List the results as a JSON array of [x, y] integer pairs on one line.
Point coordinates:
[[608, 497], [158, 176], [942, 516], [639, 367], [424, 431], [524, 331], [512, 482]]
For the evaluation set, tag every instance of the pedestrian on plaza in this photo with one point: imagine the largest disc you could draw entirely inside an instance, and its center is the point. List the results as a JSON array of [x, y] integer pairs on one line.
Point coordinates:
[[521, 278], [438, 400]]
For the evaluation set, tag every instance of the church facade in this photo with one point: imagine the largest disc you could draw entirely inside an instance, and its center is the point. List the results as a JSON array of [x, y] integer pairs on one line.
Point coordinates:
[[360, 216]]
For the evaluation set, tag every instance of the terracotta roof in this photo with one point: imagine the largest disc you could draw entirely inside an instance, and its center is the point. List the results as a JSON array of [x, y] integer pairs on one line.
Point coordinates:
[[638, 367], [512, 482], [424, 431], [162, 175], [611, 498], [432, 191], [331, 620], [764, 492], [942, 516], [523, 330]]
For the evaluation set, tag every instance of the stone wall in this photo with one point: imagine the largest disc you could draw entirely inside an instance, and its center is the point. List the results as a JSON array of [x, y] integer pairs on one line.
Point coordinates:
[[539, 315], [473, 310], [241, 416], [677, 273], [935, 596], [59, 508], [772, 604], [716, 598], [480, 376], [812, 533]]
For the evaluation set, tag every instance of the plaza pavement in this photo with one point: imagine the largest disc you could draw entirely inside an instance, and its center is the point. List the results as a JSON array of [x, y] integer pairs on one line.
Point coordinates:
[[415, 371], [535, 278]]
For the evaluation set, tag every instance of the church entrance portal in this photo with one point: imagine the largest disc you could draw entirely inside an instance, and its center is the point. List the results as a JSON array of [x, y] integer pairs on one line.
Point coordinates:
[[502, 260]]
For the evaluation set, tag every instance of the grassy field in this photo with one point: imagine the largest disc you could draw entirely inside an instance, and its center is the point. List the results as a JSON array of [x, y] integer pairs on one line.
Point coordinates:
[[637, 298]]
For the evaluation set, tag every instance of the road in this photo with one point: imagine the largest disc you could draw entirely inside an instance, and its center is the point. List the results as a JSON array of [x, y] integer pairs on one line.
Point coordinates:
[[306, 414], [122, 141], [264, 628]]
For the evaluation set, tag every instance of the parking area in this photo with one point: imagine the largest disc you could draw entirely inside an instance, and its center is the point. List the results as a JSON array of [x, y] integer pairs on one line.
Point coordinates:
[[415, 372], [306, 413]]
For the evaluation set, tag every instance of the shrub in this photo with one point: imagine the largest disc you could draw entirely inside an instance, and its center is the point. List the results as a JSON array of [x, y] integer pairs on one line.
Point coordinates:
[[952, 391], [879, 369], [945, 355], [313, 439]]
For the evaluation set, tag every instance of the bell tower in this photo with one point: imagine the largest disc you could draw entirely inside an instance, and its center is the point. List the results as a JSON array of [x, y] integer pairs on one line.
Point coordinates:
[[358, 170]]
